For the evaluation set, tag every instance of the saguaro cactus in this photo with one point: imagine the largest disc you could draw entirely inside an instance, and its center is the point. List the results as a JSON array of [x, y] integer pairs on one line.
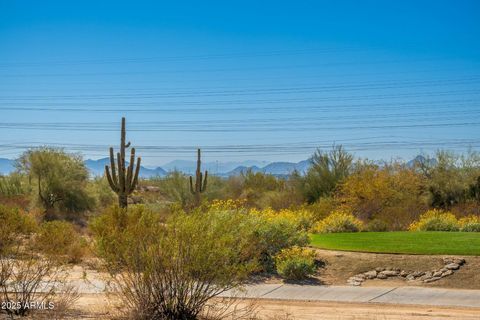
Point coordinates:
[[200, 181], [126, 180]]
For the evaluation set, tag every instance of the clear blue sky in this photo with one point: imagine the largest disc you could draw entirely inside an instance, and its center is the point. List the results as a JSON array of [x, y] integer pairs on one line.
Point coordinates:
[[264, 80]]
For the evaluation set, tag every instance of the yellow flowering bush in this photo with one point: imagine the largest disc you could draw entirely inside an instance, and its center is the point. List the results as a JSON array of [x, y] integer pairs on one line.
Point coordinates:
[[226, 205], [338, 221], [435, 220], [470, 224], [295, 263], [301, 218]]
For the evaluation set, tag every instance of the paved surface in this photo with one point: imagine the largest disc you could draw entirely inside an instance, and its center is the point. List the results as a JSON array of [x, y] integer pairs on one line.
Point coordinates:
[[400, 295]]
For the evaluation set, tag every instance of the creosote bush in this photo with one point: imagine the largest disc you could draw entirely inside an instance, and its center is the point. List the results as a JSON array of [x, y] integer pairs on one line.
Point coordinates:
[[59, 239], [171, 270], [27, 275], [295, 263], [338, 221], [14, 223], [435, 220]]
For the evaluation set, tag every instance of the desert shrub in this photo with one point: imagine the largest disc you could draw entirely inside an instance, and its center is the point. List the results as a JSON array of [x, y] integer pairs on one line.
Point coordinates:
[[12, 185], [327, 170], [119, 233], [470, 224], [435, 220], [451, 178], [172, 270], [24, 273], [271, 231], [392, 193], [175, 187], [295, 263], [14, 224], [322, 208], [232, 205], [338, 221], [301, 218], [59, 239], [28, 278], [276, 230], [101, 193], [376, 225]]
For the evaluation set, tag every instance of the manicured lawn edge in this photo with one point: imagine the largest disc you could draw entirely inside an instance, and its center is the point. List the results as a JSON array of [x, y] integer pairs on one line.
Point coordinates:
[[401, 242]]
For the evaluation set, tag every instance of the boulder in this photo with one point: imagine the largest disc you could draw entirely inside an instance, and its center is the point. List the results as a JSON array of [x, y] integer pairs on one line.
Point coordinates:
[[432, 279], [452, 266], [447, 273], [447, 260], [370, 274], [381, 275], [418, 273], [410, 277], [437, 273], [390, 273]]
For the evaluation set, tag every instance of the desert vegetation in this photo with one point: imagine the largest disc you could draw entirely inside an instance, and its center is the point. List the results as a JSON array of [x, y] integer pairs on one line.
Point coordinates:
[[172, 244]]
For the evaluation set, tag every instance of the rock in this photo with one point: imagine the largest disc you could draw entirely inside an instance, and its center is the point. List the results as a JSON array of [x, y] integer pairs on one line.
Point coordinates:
[[447, 260], [428, 274], [390, 273], [447, 273], [381, 275], [432, 279], [360, 276], [403, 273], [418, 274], [357, 279], [352, 281], [370, 274], [452, 266], [459, 261], [437, 273], [410, 277], [152, 188]]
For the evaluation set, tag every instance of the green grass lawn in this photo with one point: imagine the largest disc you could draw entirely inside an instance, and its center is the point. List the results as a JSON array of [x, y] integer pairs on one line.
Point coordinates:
[[455, 243]]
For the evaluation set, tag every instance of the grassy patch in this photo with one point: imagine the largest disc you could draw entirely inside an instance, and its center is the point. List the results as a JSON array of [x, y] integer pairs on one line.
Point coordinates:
[[434, 242]]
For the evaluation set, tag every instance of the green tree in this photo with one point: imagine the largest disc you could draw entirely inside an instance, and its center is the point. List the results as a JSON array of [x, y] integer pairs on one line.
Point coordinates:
[[450, 177], [59, 179], [326, 171]]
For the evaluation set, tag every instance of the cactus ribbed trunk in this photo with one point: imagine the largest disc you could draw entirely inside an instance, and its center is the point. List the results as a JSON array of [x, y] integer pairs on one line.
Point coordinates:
[[126, 180], [200, 181]]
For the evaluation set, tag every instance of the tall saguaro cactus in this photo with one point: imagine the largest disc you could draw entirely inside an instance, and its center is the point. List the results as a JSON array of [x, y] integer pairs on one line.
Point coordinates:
[[124, 182], [200, 181]]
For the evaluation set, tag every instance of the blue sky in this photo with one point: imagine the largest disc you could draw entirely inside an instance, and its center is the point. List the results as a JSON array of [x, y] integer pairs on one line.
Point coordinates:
[[264, 80]]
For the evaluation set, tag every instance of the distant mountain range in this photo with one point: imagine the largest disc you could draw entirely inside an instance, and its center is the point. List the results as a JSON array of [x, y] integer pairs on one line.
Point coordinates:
[[222, 169], [97, 168]]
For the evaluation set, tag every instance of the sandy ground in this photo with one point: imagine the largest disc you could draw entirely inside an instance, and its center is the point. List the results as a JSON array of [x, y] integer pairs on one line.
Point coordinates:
[[97, 306]]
